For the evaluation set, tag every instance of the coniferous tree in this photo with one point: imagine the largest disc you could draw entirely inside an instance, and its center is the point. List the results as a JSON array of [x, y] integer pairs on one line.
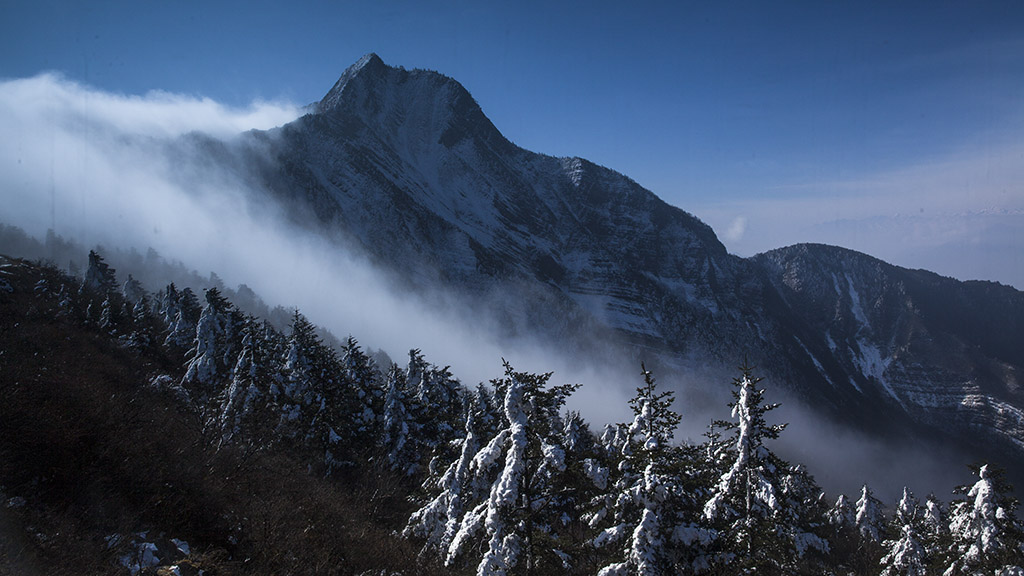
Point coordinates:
[[109, 317], [525, 464], [844, 540], [206, 356], [143, 326], [182, 312], [305, 363], [905, 555], [803, 521], [99, 276], [935, 532], [438, 410], [457, 487], [986, 537], [244, 406], [397, 438], [869, 520], [744, 503], [647, 511], [132, 291], [362, 396]]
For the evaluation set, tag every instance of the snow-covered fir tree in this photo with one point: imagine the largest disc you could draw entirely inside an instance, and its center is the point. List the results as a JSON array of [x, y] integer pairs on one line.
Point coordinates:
[[869, 520], [132, 291], [245, 399], [363, 395], [745, 503], [99, 276], [842, 514], [905, 554], [646, 526], [181, 313], [435, 408], [306, 362], [803, 521], [844, 539], [986, 536], [934, 529], [455, 487], [524, 464], [396, 435], [209, 346]]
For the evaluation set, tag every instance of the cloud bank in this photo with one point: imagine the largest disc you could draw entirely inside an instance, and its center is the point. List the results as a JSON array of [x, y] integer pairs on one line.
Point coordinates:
[[107, 169]]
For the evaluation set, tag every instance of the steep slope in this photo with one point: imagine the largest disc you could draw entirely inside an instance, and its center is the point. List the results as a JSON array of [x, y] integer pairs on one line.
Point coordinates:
[[106, 469], [405, 166], [944, 352]]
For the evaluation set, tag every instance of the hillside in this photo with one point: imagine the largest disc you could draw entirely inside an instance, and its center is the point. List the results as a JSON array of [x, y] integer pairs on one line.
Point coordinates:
[[100, 462], [146, 433]]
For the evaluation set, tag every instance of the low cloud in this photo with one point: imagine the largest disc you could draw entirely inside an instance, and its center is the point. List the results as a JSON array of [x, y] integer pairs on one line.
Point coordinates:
[[52, 101], [735, 231], [107, 169]]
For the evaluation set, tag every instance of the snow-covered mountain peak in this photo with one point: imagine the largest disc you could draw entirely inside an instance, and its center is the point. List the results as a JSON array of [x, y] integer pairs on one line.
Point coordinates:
[[368, 65], [410, 110]]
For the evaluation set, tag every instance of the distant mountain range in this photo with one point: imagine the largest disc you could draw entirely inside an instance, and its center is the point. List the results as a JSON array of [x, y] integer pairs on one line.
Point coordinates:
[[404, 165]]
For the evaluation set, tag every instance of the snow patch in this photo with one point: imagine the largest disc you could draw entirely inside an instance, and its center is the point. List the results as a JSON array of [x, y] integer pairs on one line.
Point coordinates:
[[855, 306], [872, 364], [821, 369]]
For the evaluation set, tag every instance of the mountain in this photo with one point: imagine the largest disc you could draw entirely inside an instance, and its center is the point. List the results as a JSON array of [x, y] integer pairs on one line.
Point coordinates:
[[946, 353], [404, 166]]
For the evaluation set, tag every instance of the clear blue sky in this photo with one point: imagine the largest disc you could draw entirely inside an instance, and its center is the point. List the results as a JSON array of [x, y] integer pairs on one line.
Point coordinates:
[[775, 122]]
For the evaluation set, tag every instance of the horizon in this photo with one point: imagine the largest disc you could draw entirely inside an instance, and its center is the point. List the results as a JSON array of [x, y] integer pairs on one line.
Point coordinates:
[[891, 132]]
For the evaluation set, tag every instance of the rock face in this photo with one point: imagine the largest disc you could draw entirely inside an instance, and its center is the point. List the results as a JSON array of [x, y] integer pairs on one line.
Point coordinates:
[[946, 353], [405, 165]]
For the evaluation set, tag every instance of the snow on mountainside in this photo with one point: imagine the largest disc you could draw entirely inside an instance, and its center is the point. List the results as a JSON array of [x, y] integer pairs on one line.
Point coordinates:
[[946, 352], [405, 166]]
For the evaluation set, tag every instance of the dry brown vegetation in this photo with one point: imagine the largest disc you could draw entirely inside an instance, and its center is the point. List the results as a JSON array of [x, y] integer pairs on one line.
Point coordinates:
[[88, 450]]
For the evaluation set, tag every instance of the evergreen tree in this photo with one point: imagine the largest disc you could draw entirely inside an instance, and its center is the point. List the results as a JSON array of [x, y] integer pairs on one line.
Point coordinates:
[[844, 540], [396, 435], [361, 397], [183, 312], [99, 276], [744, 503], [803, 521], [245, 399], [842, 514], [206, 356], [132, 291], [525, 464], [457, 486], [109, 316], [647, 513], [986, 537], [905, 555], [143, 326], [305, 363], [869, 520]]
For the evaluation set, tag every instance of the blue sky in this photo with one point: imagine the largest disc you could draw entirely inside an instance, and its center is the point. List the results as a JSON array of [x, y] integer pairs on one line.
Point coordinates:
[[892, 128]]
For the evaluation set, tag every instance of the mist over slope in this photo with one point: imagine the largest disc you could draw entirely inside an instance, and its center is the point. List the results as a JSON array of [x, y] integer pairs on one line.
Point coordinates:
[[404, 165], [395, 210]]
